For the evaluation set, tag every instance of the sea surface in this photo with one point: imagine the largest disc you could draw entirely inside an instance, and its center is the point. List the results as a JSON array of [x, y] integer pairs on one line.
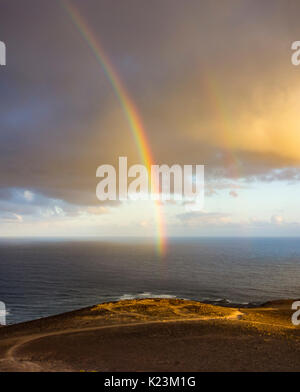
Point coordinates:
[[39, 278]]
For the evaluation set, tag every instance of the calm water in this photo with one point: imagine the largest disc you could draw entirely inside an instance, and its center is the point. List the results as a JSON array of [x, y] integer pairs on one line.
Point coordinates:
[[41, 278]]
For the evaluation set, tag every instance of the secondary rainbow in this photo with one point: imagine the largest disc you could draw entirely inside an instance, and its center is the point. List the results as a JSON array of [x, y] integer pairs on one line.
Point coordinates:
[[130, 110], [217, 101]]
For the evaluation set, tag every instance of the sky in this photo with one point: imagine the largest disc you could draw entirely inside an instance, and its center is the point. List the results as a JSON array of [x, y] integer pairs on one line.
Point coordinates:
[[213, 84]]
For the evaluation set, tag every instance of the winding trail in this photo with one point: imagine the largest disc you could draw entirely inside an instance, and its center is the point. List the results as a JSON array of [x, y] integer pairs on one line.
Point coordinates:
[[11, 361]]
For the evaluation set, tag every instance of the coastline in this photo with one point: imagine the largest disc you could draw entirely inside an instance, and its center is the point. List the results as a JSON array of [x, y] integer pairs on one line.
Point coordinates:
[[156, 335]]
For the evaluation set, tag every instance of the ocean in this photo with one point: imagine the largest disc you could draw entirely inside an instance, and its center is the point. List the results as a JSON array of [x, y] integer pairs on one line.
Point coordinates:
[[43, 277]]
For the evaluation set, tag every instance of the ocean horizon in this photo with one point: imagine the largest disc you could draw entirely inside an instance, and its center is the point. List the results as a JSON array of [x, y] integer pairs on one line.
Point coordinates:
[[43, 277]]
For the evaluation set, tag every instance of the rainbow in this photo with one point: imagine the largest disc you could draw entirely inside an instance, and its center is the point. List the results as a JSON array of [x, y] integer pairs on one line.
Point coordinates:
[[130, 110]]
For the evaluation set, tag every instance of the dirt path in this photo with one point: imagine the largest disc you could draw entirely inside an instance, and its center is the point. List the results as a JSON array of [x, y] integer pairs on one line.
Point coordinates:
[[23, 353], [10, 360]]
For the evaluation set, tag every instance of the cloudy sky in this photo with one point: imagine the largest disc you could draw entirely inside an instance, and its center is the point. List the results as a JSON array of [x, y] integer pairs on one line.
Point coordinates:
[[213, 83]]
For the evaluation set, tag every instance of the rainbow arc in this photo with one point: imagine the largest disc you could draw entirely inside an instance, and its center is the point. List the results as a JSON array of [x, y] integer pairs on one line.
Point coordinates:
[[134, 120]]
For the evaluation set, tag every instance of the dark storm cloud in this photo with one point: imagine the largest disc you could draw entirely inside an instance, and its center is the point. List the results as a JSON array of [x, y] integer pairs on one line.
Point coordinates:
[[59, 118]]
